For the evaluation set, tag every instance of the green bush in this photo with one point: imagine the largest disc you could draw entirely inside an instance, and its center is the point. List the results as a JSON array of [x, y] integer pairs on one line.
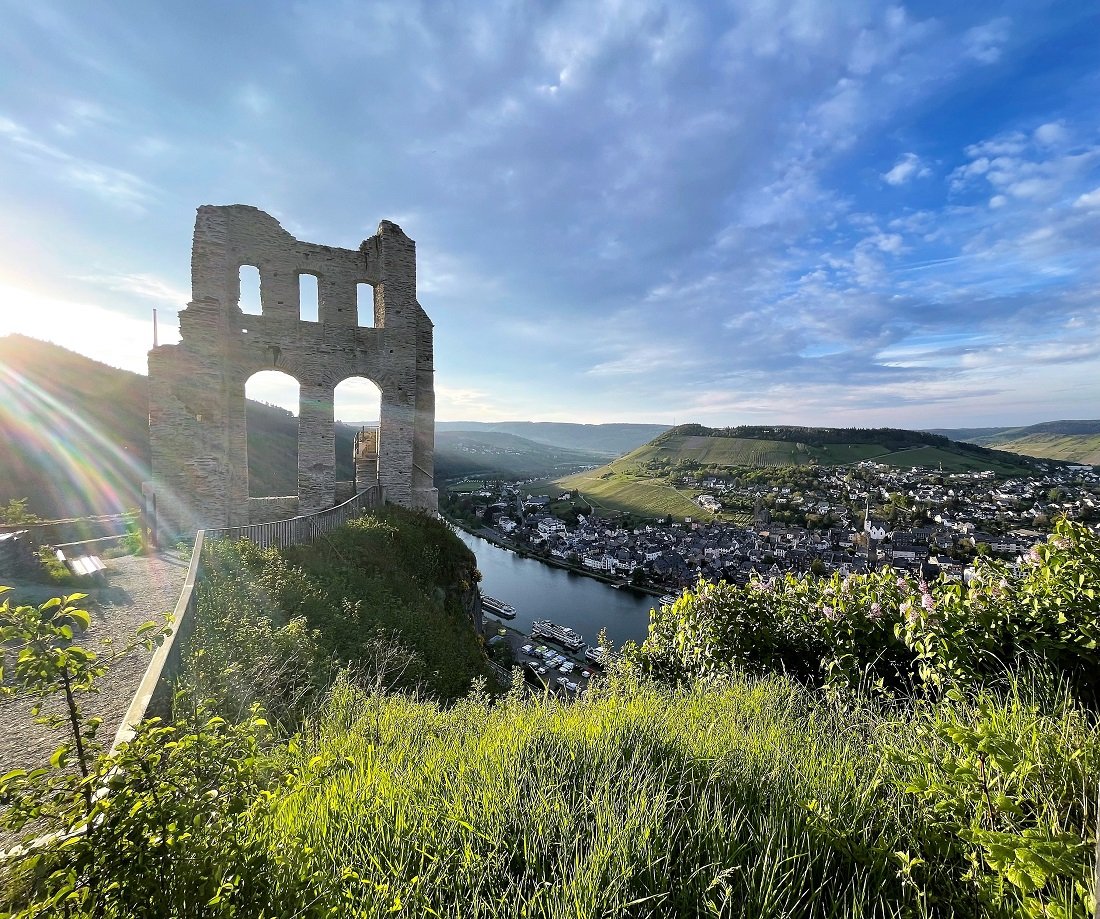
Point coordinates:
[[889, 632], [382, 596]]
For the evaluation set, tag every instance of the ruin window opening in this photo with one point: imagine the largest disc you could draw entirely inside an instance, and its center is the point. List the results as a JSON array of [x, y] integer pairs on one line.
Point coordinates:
[[248, 290], [357, 404], [309, 298], [364, 305], [271, 419]]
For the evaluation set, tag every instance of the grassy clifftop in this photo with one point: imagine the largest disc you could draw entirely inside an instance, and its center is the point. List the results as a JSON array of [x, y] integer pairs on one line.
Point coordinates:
[[388, 595]]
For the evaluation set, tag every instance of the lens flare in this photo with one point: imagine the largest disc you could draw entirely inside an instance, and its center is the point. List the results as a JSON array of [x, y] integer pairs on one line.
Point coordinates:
[[74, 465]]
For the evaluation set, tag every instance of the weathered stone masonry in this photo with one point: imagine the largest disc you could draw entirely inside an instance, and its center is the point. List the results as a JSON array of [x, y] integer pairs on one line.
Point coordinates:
[[197, 388]]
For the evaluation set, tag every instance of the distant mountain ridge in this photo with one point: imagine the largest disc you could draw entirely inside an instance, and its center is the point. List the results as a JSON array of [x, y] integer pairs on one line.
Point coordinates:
[[76, 440], [610, 440], [986, 436]]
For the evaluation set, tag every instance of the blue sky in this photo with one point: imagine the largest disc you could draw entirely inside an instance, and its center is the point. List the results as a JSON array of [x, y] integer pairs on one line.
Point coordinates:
[[812, 212]]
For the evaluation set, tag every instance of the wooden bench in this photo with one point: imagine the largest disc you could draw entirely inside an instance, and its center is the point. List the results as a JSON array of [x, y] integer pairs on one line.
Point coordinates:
[[83, 566]]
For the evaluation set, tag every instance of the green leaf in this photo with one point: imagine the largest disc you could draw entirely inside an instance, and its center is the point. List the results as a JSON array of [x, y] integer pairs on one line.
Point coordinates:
[[81, 616], [57, 760]]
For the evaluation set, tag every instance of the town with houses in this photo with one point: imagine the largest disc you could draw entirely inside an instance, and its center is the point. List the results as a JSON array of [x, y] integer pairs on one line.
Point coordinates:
[[945, 520]]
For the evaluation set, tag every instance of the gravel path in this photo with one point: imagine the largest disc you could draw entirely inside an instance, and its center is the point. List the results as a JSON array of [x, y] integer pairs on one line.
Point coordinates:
[[139, 588]]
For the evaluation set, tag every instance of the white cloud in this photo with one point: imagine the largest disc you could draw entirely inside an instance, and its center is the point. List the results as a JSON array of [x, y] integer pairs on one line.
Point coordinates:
[[1051, 134], [1090, 199], [115, 186], [254, 99], [908, 167], [142, 285], [985, 43]]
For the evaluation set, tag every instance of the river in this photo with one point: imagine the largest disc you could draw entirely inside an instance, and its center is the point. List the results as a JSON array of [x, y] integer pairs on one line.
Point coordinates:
[[541, 591]]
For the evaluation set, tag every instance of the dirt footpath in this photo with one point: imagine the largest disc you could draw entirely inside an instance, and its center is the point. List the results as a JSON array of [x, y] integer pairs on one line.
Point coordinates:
[[138, 588]]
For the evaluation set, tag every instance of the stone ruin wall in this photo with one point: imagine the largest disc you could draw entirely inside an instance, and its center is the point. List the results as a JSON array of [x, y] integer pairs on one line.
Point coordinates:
[[197, 388]]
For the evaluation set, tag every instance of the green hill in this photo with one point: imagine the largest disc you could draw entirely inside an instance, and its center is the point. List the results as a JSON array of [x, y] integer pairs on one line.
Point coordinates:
[[1075, 448], [638, 483], [1076, 441]]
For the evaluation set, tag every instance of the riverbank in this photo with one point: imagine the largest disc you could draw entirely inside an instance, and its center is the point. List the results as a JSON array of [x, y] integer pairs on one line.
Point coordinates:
[[540, 591], [493, 536]]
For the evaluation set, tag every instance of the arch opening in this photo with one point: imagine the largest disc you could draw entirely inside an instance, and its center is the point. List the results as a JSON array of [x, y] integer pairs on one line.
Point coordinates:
[[248, 290], [364, 305], [271, 425], [357, 405], [309, 298]]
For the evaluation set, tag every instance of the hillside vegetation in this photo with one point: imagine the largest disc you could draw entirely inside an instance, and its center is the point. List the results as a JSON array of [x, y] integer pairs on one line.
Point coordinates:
[[693, 781], [640, 482], [1075, 441], [493, 454], [1076, 448], [389, 593]]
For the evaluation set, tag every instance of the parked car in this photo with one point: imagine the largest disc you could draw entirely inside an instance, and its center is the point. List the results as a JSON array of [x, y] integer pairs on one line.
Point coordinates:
[[528, 649]]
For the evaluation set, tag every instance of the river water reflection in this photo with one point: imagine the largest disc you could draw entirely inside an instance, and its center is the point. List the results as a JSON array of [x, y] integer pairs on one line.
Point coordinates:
[[541, 591]]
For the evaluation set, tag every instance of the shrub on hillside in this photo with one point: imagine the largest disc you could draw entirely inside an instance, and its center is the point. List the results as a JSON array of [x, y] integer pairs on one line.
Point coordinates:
[[380, 596], [889, 632]]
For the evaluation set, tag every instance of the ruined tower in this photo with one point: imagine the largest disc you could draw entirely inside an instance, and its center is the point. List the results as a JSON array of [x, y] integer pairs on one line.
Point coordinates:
[[197, 388]]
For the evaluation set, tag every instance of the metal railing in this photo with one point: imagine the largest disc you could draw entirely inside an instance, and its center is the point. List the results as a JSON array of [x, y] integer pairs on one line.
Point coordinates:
[[303, 529], [154, 693]]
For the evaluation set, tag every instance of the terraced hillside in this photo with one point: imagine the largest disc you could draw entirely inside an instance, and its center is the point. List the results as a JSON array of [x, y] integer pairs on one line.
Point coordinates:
[[610, 488], [1077, 448], [1076, 441], [638, 483]]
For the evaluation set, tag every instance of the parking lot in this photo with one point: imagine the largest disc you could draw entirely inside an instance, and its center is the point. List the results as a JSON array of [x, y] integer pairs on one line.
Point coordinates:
[[543, 662]]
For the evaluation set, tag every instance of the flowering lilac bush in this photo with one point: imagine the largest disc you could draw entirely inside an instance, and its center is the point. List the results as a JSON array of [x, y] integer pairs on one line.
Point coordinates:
[[888, 632]]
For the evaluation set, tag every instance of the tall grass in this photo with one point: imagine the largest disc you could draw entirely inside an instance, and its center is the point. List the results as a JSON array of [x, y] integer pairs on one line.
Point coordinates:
[[749, 799]]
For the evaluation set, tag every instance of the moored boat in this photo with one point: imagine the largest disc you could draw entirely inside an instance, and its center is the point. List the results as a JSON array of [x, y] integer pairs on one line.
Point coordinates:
[[498, 608], [563, 635]]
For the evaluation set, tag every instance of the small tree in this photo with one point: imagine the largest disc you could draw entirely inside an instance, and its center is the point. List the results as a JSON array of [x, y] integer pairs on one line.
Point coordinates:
[[15, 513], [41, 662]]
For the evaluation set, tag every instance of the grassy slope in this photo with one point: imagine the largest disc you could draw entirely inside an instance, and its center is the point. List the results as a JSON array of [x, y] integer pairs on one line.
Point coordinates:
[[624, 486], [391, 577], [660, 799], [948, 459], [632, 494], [1078, 448], [1074, 440]]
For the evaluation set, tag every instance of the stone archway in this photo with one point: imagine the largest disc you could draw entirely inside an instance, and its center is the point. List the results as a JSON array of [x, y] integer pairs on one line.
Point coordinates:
[[196, 388]]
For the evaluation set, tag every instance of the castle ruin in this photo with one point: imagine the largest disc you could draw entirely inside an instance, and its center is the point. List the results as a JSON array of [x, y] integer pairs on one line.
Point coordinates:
[[197, 426]]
